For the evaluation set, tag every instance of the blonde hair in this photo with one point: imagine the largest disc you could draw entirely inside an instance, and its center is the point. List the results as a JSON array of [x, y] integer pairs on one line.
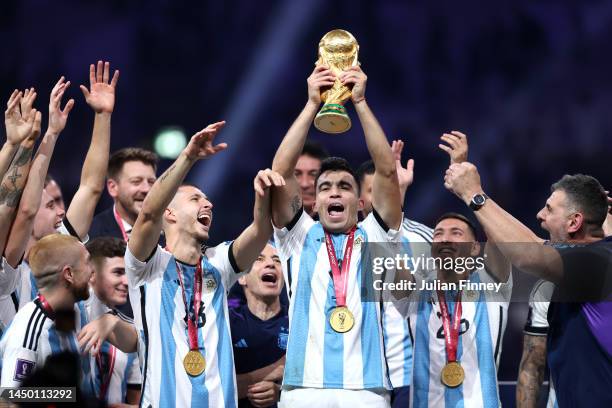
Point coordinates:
[[48, 257]]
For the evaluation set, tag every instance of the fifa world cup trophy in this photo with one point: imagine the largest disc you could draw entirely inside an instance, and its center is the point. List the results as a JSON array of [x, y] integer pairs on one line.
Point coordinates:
[[338, 50]]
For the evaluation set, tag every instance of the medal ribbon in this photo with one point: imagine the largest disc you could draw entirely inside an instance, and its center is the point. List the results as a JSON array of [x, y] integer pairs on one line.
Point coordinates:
[[192, 326], [120, 223], [340, 276], [451, 334], [45, 305], [112, 352]]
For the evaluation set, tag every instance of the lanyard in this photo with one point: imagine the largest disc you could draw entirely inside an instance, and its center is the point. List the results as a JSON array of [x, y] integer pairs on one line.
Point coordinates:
[[451, 333], [120, 223], [340, 276], [192, 328], [106, 379]]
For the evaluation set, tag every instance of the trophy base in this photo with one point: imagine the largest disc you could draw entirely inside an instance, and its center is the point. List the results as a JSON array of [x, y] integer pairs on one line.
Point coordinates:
[[332, 119]]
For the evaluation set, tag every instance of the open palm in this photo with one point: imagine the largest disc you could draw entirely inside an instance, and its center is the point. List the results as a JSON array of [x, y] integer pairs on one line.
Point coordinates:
[[18, 126], [101, 95]]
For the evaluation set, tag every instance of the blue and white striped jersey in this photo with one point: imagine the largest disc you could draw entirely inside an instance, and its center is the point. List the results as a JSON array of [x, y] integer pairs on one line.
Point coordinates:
[[483, 322], [317, 356], [18, 286], [32, 337], [160, 318], [417, 239], [111, 386]]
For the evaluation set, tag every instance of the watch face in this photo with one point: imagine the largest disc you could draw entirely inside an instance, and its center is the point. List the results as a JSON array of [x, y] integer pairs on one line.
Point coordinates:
[[479, 199]]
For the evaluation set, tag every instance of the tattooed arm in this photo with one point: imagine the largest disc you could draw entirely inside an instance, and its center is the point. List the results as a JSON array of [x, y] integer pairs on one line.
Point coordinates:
[[531, 371], [287, 200], [32, 194], [15, 178], [148, 226]]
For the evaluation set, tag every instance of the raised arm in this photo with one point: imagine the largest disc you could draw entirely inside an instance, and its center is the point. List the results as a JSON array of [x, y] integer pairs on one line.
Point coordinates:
[[147, 228], [515, 241], [287, 200], [28, 207], [101, 98], [253, 239], [14, 180], [385, 186]]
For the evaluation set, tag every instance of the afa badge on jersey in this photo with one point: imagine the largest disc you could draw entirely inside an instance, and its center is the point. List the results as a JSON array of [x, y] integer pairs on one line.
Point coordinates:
[[283, 336], [23, 369]]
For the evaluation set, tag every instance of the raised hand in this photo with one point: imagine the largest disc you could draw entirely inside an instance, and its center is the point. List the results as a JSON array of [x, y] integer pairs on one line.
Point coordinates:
[[20, 123], [201, 144], [321, 77], [405, 175], [463, 180], [356, 77], [457, 147], [101, 95], [266, 179], [57, 116]]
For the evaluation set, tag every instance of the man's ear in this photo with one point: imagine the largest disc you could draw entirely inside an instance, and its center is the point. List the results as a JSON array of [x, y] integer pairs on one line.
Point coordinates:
[[169, 215], [575, 223], [475, 251], [242, 280], [112, 187], [67, 274], [360, 204]]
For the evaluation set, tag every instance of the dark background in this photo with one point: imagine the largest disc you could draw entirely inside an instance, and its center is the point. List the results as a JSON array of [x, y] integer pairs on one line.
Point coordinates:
[[528, 81]]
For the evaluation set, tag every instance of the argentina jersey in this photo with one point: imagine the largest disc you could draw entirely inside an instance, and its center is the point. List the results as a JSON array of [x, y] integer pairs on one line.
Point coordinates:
[[113, 371], [317, 356], [483, 322], [160, 318], [416, 241], [32, 337], [18, 286]]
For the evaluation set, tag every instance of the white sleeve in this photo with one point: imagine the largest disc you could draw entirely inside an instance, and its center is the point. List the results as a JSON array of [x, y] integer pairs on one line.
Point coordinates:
[[377, 232], [505, 290], [289, 241], [134, 376], [139, 273], [18, 363], [9, 278], [223, 260], [66, 228], [539, 299]]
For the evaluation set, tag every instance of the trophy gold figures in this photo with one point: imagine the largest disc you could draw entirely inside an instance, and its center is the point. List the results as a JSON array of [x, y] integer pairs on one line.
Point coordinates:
[[338, 50]]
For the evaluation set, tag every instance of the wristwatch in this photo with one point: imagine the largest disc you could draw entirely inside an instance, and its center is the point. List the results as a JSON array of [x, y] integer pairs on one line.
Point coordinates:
[[478, 200]]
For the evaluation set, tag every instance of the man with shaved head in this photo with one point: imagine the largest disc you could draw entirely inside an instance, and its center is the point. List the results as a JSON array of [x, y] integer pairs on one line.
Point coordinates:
[[48, 324]]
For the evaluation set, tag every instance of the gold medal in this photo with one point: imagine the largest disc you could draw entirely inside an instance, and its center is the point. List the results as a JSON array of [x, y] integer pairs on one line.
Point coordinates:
[[452, 374], [341, 319], [194, 363]]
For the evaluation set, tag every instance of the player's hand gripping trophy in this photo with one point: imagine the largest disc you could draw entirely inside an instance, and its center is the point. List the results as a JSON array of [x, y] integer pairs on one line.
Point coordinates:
[[338, 50]]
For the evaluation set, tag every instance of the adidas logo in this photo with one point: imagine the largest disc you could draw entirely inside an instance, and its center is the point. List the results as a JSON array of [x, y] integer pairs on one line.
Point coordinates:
[[241, 344]]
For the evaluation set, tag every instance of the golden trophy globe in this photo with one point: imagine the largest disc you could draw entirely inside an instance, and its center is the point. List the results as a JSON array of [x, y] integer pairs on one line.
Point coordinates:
[[338, 50]]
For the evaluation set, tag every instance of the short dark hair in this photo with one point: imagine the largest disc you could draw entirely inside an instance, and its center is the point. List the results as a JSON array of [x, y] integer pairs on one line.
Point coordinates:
[[337, 164], [127, 154], [105, 247], [48, 179], [364, 169], [457, 216], [585, 195], [315, 150]]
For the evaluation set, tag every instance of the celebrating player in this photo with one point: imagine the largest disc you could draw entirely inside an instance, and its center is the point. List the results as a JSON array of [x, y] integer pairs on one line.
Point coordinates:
[[178, 294], [335, 350]]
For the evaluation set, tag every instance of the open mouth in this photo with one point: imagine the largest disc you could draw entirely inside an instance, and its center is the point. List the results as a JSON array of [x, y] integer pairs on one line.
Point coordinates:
[[269, 278], [335, 209], [204, 219], [447, 250]]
